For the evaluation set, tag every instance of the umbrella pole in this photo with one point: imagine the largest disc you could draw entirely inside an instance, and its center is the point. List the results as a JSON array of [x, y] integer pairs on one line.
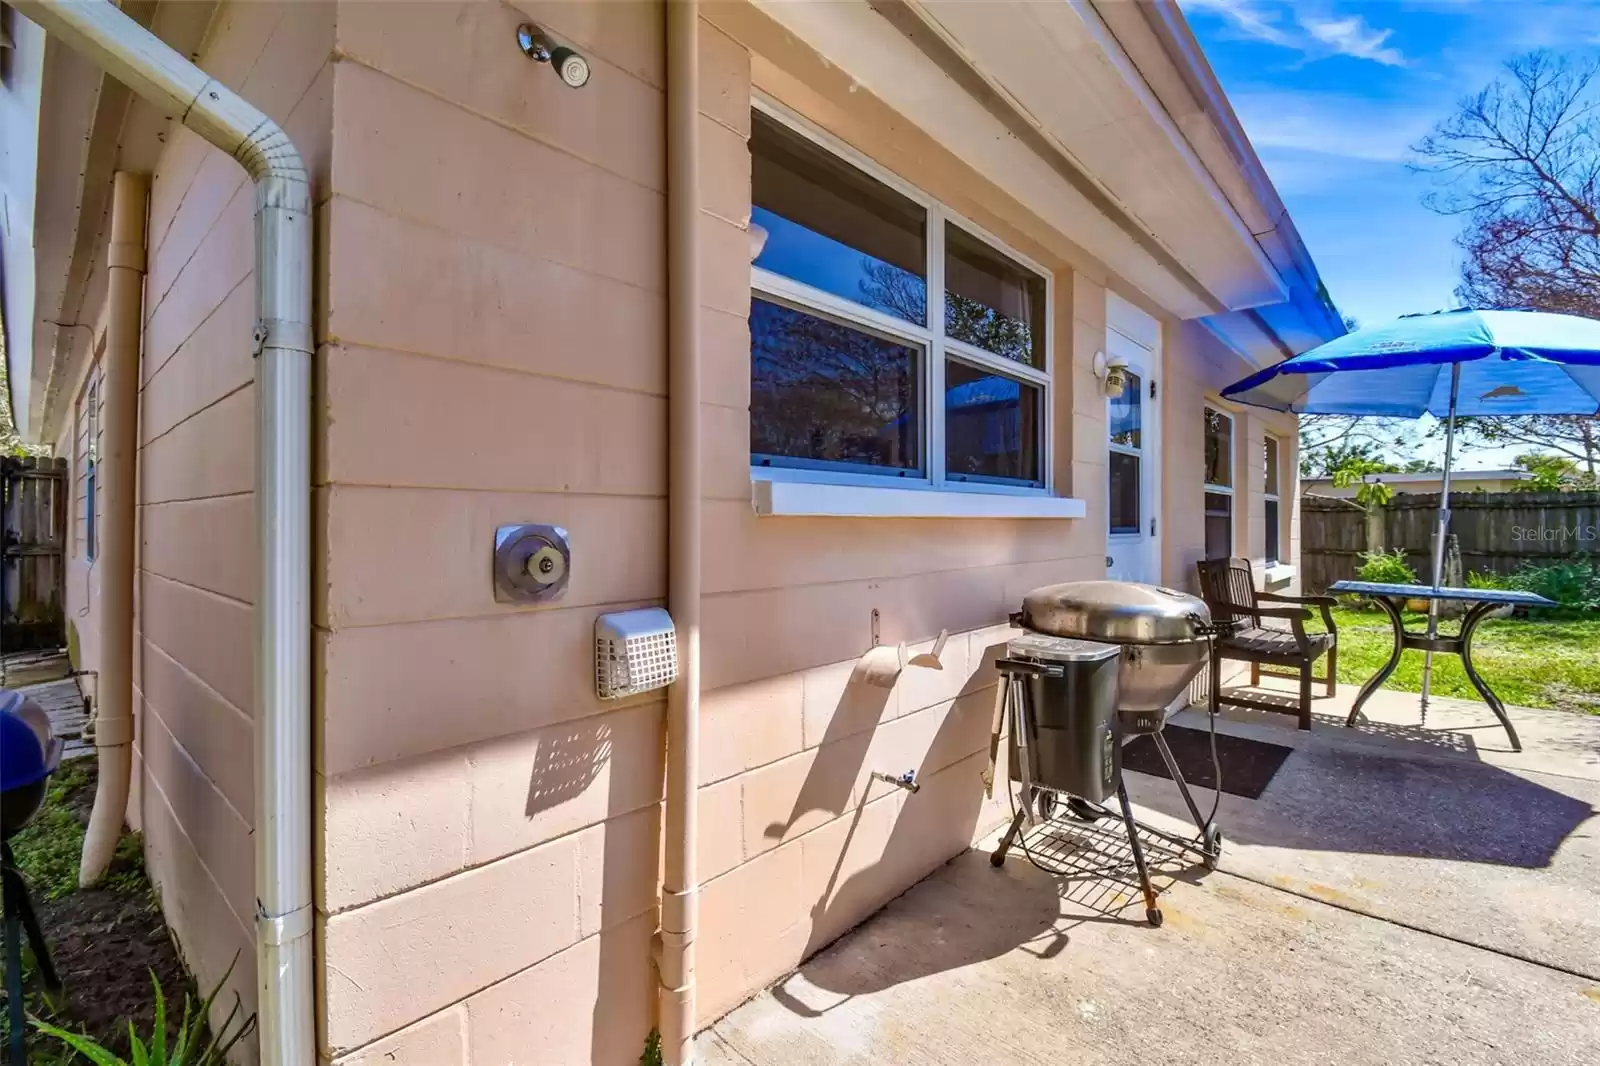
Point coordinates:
[[1439, 536]]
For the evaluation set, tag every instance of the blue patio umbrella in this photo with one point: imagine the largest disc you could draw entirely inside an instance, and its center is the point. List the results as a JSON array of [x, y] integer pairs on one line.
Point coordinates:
[[1449, 363]]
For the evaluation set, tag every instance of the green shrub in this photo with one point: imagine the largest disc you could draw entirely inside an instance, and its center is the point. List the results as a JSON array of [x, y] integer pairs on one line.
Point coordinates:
[[1488, 579], [1573, 585], [191, 1045], [1388, 568]]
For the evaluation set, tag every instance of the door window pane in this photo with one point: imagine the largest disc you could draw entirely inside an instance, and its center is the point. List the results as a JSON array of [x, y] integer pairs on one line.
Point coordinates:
[[1126, 414], [1271, 510], [834, 228], [1219, 525], [991, 425], [822, 392], [1219, 448], [992, 302], [1124, 493]]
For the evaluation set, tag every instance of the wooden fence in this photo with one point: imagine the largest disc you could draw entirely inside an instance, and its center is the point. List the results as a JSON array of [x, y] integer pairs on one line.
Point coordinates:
[[1496, 531], [33, 511]]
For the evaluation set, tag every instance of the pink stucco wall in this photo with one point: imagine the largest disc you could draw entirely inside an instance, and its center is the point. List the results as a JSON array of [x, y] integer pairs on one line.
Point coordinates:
[[492, 350], [487, 820], [1198, 367]]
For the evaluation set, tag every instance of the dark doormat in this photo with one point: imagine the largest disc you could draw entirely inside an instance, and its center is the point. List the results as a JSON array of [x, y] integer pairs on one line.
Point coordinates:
[[1247, 765]]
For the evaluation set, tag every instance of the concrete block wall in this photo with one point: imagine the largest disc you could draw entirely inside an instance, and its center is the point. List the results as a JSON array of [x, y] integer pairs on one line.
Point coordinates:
[[496, 354], [490, 829]]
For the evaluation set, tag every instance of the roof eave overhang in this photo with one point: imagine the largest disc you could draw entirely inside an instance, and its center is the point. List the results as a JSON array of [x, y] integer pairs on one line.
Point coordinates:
[[88, 126]]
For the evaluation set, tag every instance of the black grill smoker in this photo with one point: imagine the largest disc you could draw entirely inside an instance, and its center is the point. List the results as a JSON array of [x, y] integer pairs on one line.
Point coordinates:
[[1098, 661]]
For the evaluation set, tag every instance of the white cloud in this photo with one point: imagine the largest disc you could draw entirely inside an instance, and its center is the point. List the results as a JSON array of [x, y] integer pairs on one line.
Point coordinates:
[[1314, 37], [1333, 124], [1259, 23], [1351, 36]]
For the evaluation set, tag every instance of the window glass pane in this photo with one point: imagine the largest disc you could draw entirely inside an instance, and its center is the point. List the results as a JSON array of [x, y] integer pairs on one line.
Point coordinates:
[[826, 392], [1271, 511], [1272, 466], [1219, 449], [1127, 417], [991, 425], [833, 227], [1219, 525], [991, 302], [1124, 493]]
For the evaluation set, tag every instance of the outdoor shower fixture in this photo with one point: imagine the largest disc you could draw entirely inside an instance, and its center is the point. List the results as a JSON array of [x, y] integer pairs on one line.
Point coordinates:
[[537, 46]]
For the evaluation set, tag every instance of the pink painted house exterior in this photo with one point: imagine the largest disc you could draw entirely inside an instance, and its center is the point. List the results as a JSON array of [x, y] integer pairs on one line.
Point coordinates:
[[491, 349]]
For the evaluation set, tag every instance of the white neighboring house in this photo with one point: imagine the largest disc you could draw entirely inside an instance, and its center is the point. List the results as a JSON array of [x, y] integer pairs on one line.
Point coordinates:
[[1427, 481]]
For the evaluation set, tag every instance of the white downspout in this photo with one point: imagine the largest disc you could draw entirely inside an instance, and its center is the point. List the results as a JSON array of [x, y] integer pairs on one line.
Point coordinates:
[[680, 887], [282, 341], [113, 729]]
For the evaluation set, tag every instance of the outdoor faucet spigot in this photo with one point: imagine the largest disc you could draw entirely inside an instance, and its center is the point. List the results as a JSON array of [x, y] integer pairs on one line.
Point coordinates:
[[907, 780]]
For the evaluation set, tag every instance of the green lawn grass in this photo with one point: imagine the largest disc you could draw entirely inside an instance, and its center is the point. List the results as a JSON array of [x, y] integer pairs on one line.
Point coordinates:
[[1527, 662]]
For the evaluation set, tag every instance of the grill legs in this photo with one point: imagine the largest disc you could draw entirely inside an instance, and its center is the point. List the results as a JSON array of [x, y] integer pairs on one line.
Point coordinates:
[[20, 919], [1152, 913]]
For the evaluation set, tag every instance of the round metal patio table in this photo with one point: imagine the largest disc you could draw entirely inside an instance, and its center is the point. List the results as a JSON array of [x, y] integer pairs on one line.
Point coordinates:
[[1484, 603]]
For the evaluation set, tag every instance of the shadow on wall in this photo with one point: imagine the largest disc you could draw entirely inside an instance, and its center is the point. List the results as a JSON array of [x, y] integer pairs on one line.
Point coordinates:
[[976, 914], [566, 764], [616, 917]]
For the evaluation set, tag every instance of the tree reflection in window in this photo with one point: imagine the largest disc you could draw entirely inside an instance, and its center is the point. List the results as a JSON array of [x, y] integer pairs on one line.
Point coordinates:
[[823, 391], [991, 302]]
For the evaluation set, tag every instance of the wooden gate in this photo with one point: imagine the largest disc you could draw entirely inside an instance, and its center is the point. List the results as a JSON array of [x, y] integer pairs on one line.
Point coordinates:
[[33, 517]]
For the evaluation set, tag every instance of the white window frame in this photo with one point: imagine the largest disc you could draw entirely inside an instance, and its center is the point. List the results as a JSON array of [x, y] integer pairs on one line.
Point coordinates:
[[1233, 476], [935, 347], [1269, 496]]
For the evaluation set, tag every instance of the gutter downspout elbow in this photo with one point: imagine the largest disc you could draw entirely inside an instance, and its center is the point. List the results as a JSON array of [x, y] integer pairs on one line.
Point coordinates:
[[113, 727], [282, 342], [680, 886]]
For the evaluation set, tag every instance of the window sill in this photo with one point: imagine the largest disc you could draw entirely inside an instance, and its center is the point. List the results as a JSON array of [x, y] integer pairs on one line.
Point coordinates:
[[822, 500], [1281, 574]]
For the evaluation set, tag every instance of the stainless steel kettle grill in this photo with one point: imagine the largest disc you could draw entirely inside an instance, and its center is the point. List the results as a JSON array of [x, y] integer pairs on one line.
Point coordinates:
[[1099, 661]]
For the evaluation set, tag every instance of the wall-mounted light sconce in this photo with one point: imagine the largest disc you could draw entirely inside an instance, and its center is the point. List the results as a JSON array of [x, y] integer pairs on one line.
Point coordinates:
[[758, 240], [1112, 372], [537, 46]]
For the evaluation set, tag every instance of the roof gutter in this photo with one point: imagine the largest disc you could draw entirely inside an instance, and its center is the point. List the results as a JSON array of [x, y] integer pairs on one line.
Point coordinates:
[[1166, 21], [282, 342]]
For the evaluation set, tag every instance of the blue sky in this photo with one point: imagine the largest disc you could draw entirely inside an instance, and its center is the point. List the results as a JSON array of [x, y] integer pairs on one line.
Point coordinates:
[[1335, 93]]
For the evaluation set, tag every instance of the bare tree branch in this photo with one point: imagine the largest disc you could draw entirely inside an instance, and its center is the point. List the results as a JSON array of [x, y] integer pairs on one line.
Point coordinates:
[[1520, 161]]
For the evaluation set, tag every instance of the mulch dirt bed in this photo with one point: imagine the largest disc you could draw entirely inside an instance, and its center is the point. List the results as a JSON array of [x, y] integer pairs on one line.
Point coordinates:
[[106, 941]]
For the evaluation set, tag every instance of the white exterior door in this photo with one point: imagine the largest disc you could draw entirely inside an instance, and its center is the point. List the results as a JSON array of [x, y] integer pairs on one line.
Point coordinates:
[[1133, 540]]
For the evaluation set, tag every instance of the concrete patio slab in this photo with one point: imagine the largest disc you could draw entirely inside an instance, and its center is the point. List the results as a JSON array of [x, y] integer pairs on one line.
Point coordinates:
[[1396, 895], [977, 965]]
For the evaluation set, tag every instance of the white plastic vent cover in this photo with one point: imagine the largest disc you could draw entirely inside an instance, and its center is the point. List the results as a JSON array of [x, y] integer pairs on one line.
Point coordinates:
[[634, 651]]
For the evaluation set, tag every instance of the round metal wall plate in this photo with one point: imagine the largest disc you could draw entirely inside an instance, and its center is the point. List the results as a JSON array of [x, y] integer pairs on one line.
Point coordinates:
[[532, 563]]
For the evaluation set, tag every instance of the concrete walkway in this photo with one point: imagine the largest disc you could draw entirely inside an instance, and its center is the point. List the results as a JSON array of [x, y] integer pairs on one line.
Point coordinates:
[[1396, 895], [45, 678]]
